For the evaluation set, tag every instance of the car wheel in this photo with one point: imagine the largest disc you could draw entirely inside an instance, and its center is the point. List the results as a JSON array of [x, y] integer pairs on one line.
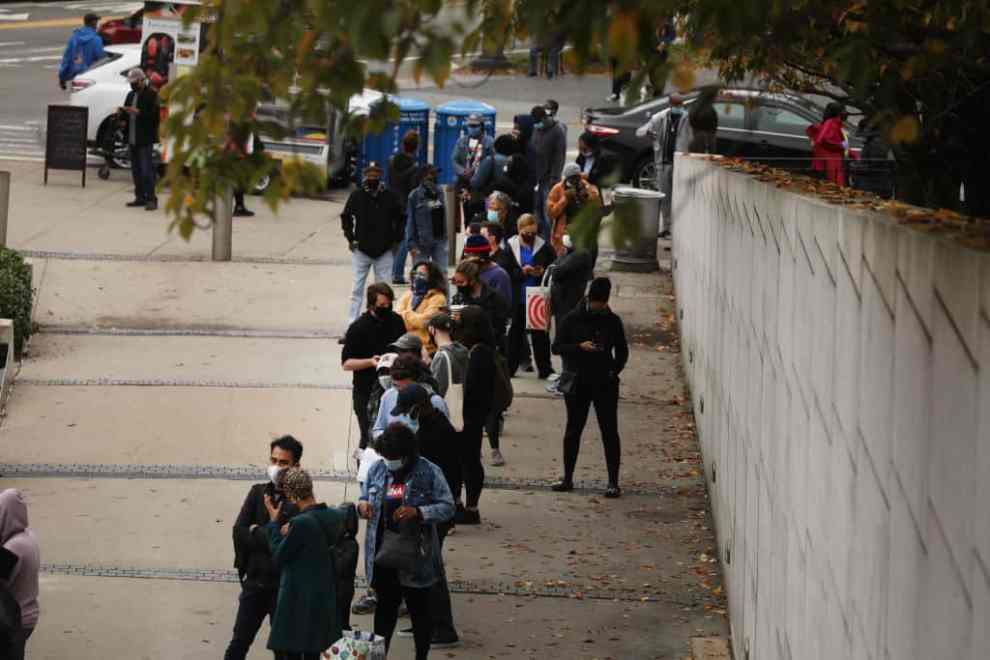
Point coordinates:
[[645, 175]]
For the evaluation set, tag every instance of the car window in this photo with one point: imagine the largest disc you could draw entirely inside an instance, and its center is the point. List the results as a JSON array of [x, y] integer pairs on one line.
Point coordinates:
[[780, 120], [110, 57], [730, 114]]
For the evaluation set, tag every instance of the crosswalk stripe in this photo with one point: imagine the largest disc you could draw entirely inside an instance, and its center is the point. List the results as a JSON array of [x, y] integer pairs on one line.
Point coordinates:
[[23, 60]]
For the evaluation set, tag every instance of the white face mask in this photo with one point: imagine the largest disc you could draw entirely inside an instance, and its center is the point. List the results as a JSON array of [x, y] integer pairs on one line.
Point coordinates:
[[273, 472], [395, 465], [568, 243], [385, 381]]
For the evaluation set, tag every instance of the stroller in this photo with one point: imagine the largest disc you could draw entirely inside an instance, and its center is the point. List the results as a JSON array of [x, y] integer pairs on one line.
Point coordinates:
[[114, 147]]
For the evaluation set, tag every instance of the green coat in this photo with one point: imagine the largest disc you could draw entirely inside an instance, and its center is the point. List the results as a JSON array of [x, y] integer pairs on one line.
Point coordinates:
[[306, 618]]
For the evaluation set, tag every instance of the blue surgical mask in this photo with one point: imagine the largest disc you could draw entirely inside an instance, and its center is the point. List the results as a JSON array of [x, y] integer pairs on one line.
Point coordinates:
[[492, 215], [474, 131], [394, 465], [412, 424]]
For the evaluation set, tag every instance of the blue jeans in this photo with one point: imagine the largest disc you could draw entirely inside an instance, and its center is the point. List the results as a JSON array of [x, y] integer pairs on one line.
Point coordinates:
[[399, 263], [362, 265], [553, 56], [436, 252], [143, 172]]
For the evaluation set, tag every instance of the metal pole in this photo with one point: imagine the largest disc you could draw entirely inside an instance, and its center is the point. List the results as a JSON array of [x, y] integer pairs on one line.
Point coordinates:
[[451, 212], [4, 206], [223, 226]]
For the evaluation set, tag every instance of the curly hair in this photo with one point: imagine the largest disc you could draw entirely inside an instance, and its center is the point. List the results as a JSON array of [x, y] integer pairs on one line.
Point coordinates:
[[297, 484]]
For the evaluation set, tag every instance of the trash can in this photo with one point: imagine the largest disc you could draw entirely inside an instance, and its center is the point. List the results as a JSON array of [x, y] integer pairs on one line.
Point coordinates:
[[644, 205], [379, 147], [449, 126]]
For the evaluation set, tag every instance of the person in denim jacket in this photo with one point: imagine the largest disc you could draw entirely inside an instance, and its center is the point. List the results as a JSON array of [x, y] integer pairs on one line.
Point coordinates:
[[402, 486], [426, 224]]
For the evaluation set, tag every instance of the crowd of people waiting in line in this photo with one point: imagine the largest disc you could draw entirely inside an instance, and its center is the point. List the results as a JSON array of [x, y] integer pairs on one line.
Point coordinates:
[[432, 372]]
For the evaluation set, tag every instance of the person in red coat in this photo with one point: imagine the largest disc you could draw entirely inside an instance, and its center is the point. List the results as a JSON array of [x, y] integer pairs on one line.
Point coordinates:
[[829, 144]]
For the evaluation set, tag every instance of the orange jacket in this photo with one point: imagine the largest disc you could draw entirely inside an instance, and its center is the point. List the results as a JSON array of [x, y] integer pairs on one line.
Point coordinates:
[[557, 210]]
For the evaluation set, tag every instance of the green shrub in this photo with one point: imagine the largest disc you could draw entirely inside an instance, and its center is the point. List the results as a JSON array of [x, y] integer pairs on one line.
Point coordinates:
[[15, 296]]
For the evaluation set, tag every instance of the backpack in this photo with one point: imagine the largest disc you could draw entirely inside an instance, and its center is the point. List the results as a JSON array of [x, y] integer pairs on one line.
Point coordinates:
[[502, 387], [670, 136]]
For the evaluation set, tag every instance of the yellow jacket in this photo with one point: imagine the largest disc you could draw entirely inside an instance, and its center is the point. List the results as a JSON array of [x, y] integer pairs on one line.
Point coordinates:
[[432, 303]]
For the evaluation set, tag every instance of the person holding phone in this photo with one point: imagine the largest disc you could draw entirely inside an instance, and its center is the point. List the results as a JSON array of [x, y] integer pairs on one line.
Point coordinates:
[[20, 573], [592, 342], [252, 552]]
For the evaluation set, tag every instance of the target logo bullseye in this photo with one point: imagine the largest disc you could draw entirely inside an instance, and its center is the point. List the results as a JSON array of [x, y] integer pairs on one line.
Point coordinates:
[[536, 312]]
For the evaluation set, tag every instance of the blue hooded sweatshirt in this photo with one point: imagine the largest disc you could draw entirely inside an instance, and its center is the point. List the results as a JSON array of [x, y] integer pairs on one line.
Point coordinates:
[[85, 47]]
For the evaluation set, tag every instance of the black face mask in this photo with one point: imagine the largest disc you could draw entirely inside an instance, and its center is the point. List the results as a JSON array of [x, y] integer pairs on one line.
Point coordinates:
[[465, 290], [372, 186], [382, 312]]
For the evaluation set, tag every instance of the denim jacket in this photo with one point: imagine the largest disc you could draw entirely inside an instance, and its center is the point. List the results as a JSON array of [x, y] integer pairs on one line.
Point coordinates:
[[427, 490], [419, 220]]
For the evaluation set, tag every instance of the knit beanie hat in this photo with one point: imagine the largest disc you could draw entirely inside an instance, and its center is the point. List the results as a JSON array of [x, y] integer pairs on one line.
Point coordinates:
[[477, 246]]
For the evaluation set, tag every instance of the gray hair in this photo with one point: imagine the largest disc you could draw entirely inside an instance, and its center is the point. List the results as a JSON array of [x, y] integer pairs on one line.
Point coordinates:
[[136, 75]]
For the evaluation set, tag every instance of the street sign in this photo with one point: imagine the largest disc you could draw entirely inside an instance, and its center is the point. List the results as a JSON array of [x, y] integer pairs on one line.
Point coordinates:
[[65, 144]]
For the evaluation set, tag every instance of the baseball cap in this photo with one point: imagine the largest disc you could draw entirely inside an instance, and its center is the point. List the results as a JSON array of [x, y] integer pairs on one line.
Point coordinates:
[[407, 342], [409, 396], [385, 361]]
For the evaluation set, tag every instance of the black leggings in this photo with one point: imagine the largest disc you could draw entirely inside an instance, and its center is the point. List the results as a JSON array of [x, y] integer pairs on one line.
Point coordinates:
[[472, 471], [606, 400], [390, 595]]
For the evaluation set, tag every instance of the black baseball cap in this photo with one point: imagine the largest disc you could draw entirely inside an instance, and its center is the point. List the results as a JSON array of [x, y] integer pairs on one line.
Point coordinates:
[[409, 396]]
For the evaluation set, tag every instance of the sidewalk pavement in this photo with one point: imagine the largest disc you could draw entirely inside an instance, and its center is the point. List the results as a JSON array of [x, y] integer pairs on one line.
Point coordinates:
[[147, 399]]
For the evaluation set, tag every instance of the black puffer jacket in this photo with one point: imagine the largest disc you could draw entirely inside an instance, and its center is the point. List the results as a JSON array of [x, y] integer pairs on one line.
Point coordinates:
[[252, 553]]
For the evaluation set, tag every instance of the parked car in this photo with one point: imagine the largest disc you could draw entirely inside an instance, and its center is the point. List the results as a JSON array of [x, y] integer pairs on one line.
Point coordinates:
[[102, 88], [752, 124], [125, 30]]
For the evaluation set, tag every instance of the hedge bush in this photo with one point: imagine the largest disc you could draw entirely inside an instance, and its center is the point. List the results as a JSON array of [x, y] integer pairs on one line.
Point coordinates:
[[15, 296]]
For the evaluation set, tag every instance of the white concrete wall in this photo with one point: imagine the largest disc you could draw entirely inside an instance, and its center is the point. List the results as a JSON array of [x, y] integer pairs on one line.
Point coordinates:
[[840, 370]]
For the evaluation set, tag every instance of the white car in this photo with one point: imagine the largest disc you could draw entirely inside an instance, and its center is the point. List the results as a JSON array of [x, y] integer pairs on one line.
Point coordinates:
[[102, 88]]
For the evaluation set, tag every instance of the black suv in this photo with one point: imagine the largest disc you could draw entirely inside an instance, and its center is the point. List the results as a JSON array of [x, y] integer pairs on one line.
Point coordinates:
[[752, 124]]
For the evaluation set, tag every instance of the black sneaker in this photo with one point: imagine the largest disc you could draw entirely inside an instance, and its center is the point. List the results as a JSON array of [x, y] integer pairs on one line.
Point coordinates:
[[613, 492], [445, 641], [151, 206], [467, 517], [137, 203], [366, 604], [243, 213], [527, 367], [405, 633], [563, 486]]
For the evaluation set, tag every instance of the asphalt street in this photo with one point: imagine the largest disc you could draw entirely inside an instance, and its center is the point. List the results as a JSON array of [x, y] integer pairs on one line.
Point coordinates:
[[33, 37]]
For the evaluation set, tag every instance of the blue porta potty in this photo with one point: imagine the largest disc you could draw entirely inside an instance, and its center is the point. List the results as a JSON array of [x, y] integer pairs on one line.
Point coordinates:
[[449, 126], [379, 147]]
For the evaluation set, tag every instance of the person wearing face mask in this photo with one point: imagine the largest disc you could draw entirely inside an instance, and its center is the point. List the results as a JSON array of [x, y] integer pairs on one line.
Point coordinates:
[[438, 443], [492, 275], [571, 199], [403, 490], [406, 370], [532, 256], [592, 342], [547, 149], [366, 340], [471, 290], [305, 622], [426, 296], [448, 365], [426, 224], [372, 222], [141, 107], [252, 553], [469, 151], [601, 170]]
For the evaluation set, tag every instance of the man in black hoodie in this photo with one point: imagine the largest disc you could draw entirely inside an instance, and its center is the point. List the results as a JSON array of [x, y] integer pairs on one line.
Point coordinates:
[[593, 344], [252, 553], [372, 221], [546, 152]]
